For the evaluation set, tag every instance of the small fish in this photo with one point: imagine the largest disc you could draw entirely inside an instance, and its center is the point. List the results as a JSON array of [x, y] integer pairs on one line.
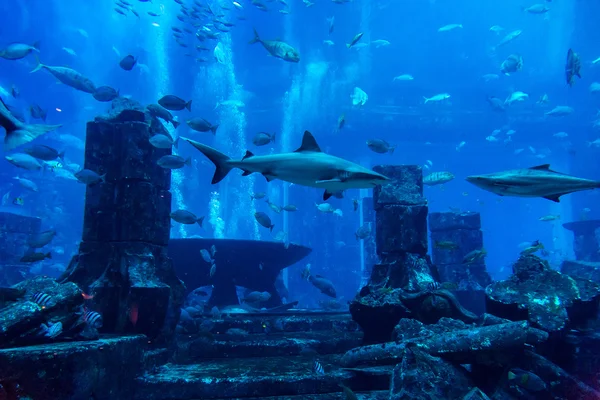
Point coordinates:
[[202, 125], [174, 103], [18, 201], [173, 162], [438, 178], [35, 257], [290, 208], [213, 270], [549, 218], [89, 177], [355, 40], [380, 146], [318, 368], [53, 331], [445, 245], [256, 297], [186, 217], [355, 204], [433, 286], [93, 319], [263, 138], [258, 195], [206, 256], [474, 256], [264, 220], [527, 380], [42, 299], [41, 239], [161, 141], [105, 94], [363, 232]]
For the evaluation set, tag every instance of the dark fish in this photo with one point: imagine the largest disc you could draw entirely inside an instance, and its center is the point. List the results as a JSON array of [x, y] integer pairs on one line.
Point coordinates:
[[572, 67], [37, 112], [43, 152], [323, 284], [152, 14], [41, 239], [318, 368], [263, 138], [159, 112], [202, 125], [119, 11], [174, 103], [105, 93], [264, 220], [527, 380], [35, 257], [93, 319], [42, 299], [16, 51], [15, 92], [355, 40], [433, 286], [128, 62], [277, 48]]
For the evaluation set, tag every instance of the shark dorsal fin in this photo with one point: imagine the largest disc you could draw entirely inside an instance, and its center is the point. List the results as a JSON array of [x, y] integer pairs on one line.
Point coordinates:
[[308, 144], [544, 167], [247, 155]]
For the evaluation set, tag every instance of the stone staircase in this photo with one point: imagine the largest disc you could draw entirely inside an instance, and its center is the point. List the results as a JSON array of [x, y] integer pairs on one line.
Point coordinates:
[[271, 358]]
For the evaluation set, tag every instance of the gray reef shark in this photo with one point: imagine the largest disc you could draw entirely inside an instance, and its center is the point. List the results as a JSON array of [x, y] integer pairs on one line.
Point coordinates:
[[538, 181], [17, 132], [307, 166]]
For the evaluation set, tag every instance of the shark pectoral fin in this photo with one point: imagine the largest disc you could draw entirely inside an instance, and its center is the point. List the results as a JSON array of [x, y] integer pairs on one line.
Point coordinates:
[[247, 155], [269, 178], [555, 197], [246, 172], [327, 195], [334, 180]]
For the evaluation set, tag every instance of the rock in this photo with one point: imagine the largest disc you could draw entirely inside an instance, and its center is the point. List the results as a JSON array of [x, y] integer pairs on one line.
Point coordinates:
[[582, 269], [586, 243], [401, 229], [450, 221], [404, 188], [20, 321], [123, 256], [544, 297], [104, 369], [424, 377], [457, 343]]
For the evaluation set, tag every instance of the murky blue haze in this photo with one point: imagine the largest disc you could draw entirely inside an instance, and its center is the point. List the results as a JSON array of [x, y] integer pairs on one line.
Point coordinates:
[[290, 98]]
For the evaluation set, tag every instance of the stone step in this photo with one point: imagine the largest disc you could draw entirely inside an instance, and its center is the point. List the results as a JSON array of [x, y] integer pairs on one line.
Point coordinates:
[[192, 348], [371, 395], [256, 377], [282, 322]]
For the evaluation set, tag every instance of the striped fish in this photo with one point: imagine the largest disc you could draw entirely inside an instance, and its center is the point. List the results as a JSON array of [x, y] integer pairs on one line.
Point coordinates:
[[54, 331], [318, 368], [434, 286], [42, 299], [93, 319]]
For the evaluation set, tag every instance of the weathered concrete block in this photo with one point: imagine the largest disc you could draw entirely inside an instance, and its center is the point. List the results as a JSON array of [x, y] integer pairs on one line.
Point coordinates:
[[103, 369], [123, 151], [467, 277], [405, 186], [443, 221], [123, 211], [450, 247], [402, 229]]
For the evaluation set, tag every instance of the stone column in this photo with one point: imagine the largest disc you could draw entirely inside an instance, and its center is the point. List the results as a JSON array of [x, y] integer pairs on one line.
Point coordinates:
[[15, 232], [453, 236], [122, 260], [370, 254]]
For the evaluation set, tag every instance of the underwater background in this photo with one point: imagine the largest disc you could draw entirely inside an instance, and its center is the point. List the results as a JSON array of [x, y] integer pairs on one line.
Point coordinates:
[[400, 37]]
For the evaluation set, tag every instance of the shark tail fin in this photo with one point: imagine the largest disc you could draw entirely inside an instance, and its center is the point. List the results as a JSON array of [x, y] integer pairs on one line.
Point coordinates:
[[256, 38], [219, 159]]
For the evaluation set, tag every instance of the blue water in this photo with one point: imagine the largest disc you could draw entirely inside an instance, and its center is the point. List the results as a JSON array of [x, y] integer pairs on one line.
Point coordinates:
[[289, 98]]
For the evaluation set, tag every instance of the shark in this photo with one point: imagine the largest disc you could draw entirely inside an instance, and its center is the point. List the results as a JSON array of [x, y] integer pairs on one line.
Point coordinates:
[[307, 166], [538, 181], [17, 132]]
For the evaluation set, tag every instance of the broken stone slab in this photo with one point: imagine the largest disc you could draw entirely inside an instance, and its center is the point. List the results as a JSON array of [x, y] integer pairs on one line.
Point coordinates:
[[582, 269], [21, 321], [548, 299], [561, 383], [463, 346], [421, 376], [103, 369], [451, 246]]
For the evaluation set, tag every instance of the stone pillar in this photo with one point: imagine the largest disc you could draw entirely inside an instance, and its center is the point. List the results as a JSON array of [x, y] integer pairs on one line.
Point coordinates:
[[122, 260], [370, 253], [454, 235], [15, 231], [586, 239], [401, 225]]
